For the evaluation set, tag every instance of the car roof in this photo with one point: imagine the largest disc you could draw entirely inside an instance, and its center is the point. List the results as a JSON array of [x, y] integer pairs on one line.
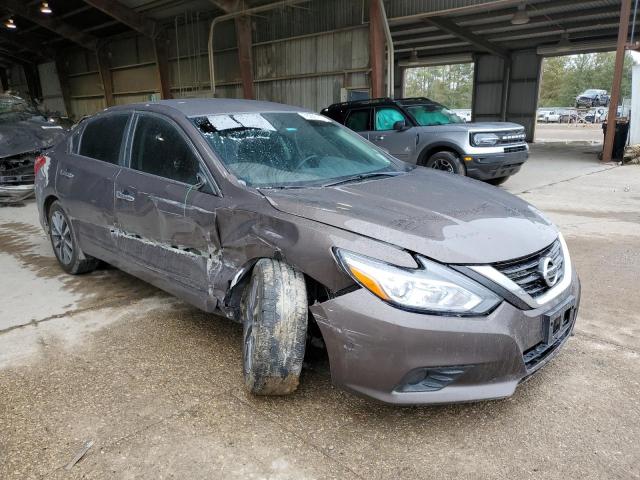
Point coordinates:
[[382, 101], [195, 107]]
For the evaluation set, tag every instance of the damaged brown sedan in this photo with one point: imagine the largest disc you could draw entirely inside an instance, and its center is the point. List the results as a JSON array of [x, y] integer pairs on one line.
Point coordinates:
[[426, 287]]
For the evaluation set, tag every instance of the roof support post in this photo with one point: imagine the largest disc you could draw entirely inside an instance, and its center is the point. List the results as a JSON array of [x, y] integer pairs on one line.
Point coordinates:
[[4, 81], [105, 75], [376, 49], [245, 55], [506, 77], [161, 53], [625, 10], [33, 80], [65, 89]]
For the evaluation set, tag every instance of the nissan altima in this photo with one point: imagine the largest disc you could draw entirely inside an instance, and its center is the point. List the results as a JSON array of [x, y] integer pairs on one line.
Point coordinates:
[[425, 287]]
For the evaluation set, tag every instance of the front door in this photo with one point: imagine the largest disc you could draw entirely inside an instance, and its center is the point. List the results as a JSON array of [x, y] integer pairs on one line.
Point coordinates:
[[359, 120], [400, 144], [85, 181], [165, 209]]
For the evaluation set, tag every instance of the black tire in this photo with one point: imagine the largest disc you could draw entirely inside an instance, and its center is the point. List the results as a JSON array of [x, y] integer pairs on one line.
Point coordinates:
[[65, 246], [498, 181], [446, 161], [274, 313]]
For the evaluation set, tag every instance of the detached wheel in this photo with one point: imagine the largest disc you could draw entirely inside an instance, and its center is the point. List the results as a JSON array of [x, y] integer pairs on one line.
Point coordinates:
[[499, 180], [65, 247], [274, 311], [447, 162]]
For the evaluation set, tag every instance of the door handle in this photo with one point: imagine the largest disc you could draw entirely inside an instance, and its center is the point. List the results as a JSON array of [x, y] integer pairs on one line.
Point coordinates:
[[125, 196], [378, 137], [66, 173]]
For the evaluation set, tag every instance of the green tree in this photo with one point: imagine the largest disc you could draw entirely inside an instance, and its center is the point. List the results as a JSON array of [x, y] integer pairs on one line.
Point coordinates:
[[563, 78], [451, 85]]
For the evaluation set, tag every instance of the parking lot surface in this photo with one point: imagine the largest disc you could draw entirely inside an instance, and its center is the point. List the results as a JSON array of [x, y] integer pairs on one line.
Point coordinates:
[[156, 385]]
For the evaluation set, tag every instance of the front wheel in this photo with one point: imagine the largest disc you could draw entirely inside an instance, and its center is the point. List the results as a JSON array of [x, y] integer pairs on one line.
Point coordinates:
[[447, 162], [274, 314]]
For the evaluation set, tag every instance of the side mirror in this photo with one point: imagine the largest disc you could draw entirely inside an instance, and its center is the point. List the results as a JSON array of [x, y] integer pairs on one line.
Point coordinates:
[[400, 126]]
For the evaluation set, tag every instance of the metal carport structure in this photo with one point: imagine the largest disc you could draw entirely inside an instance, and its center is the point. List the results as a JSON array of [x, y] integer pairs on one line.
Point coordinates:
[[506, 40]]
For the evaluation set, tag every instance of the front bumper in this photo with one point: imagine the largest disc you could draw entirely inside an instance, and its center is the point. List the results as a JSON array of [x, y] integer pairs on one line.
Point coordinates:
[[374, 348], [495, 162]]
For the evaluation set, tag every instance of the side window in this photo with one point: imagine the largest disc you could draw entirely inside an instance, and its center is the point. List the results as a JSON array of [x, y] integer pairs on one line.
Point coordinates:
[[386, 117], [102, 137], [159, 148], [359, 120]]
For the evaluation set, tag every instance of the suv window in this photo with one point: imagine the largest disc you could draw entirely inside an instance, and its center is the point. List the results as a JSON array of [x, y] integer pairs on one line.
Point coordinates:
[[102, 137], [386, 117], [160, 149], [359, 120]]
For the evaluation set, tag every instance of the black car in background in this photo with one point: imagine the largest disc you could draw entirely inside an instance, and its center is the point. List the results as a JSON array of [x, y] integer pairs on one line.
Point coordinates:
[[592, 98]]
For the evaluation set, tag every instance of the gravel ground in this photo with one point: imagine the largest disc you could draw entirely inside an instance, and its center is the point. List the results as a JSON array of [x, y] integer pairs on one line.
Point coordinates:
[[156, 385]]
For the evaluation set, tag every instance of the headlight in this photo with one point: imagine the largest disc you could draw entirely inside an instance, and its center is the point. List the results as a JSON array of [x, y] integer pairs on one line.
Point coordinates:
[[431, 288], [484, 139]]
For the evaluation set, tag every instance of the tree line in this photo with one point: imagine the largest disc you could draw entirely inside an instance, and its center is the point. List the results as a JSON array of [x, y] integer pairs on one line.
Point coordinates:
[[563, 78]]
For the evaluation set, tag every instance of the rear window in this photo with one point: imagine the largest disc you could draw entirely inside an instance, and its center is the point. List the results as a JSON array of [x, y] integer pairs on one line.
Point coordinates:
[[102, 137]]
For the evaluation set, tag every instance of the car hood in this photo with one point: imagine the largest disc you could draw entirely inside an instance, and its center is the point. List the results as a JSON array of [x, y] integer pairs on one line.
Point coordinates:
[[28, 135], [445, 217]]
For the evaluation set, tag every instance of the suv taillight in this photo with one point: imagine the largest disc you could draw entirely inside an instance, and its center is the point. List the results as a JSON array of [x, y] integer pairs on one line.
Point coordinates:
[[39, 163]]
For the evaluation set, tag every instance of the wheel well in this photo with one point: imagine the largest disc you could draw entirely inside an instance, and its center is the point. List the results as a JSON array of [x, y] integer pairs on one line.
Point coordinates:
[[316, 292], [47, 205], [430, 150]]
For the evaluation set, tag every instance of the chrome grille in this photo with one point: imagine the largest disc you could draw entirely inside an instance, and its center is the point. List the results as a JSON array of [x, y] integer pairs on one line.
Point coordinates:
[[526, 273]]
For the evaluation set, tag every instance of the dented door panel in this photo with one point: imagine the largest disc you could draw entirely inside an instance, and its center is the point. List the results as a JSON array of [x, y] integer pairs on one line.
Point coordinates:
[[154, 227]]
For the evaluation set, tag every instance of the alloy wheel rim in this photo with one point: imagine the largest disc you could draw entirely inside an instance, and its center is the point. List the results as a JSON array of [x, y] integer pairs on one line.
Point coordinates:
[[445, 165], [61, 237]]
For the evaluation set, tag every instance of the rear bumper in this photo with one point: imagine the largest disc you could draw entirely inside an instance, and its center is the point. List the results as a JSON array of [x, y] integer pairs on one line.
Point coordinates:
[[375, 349], [495, 165], [15, 193]]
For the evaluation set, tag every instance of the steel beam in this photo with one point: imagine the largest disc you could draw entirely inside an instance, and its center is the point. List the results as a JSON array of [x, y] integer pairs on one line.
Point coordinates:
[[376, 49], [104, 69], [245, 56], [24, 43], [625, 11], [450, 27], [4, 81], [51, 23], [134, 20], [65, 88], [160, 44]]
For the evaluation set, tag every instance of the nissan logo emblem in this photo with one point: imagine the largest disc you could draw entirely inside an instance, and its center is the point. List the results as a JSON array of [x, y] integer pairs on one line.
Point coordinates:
[[549, 271]]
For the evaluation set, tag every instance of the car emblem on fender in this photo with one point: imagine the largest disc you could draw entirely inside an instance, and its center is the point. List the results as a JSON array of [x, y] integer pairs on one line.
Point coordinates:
[[549, 271]]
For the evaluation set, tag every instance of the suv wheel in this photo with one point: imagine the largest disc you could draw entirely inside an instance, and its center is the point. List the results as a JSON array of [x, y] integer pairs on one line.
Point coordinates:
[[274, 314], [63, 240], [446, 161]]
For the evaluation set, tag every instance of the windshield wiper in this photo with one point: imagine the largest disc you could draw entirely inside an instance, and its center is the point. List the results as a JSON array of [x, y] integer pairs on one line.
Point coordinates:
[[362, 176]]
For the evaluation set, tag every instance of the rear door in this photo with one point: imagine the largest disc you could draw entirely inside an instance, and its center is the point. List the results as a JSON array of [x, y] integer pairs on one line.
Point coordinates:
[[400, 144], [165, 201], [85, 180]]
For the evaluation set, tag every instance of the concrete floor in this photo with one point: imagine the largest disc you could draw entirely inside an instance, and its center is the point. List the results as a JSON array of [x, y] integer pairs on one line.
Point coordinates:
[[157, 385]]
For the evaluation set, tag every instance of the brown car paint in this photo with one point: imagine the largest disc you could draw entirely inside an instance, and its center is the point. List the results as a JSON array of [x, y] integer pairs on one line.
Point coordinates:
[[200, 245]]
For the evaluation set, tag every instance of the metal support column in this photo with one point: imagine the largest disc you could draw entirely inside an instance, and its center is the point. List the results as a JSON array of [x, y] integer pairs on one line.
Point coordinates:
[[376, 49], [623, 30], [160, 50], [245, 55], [105, 75]]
